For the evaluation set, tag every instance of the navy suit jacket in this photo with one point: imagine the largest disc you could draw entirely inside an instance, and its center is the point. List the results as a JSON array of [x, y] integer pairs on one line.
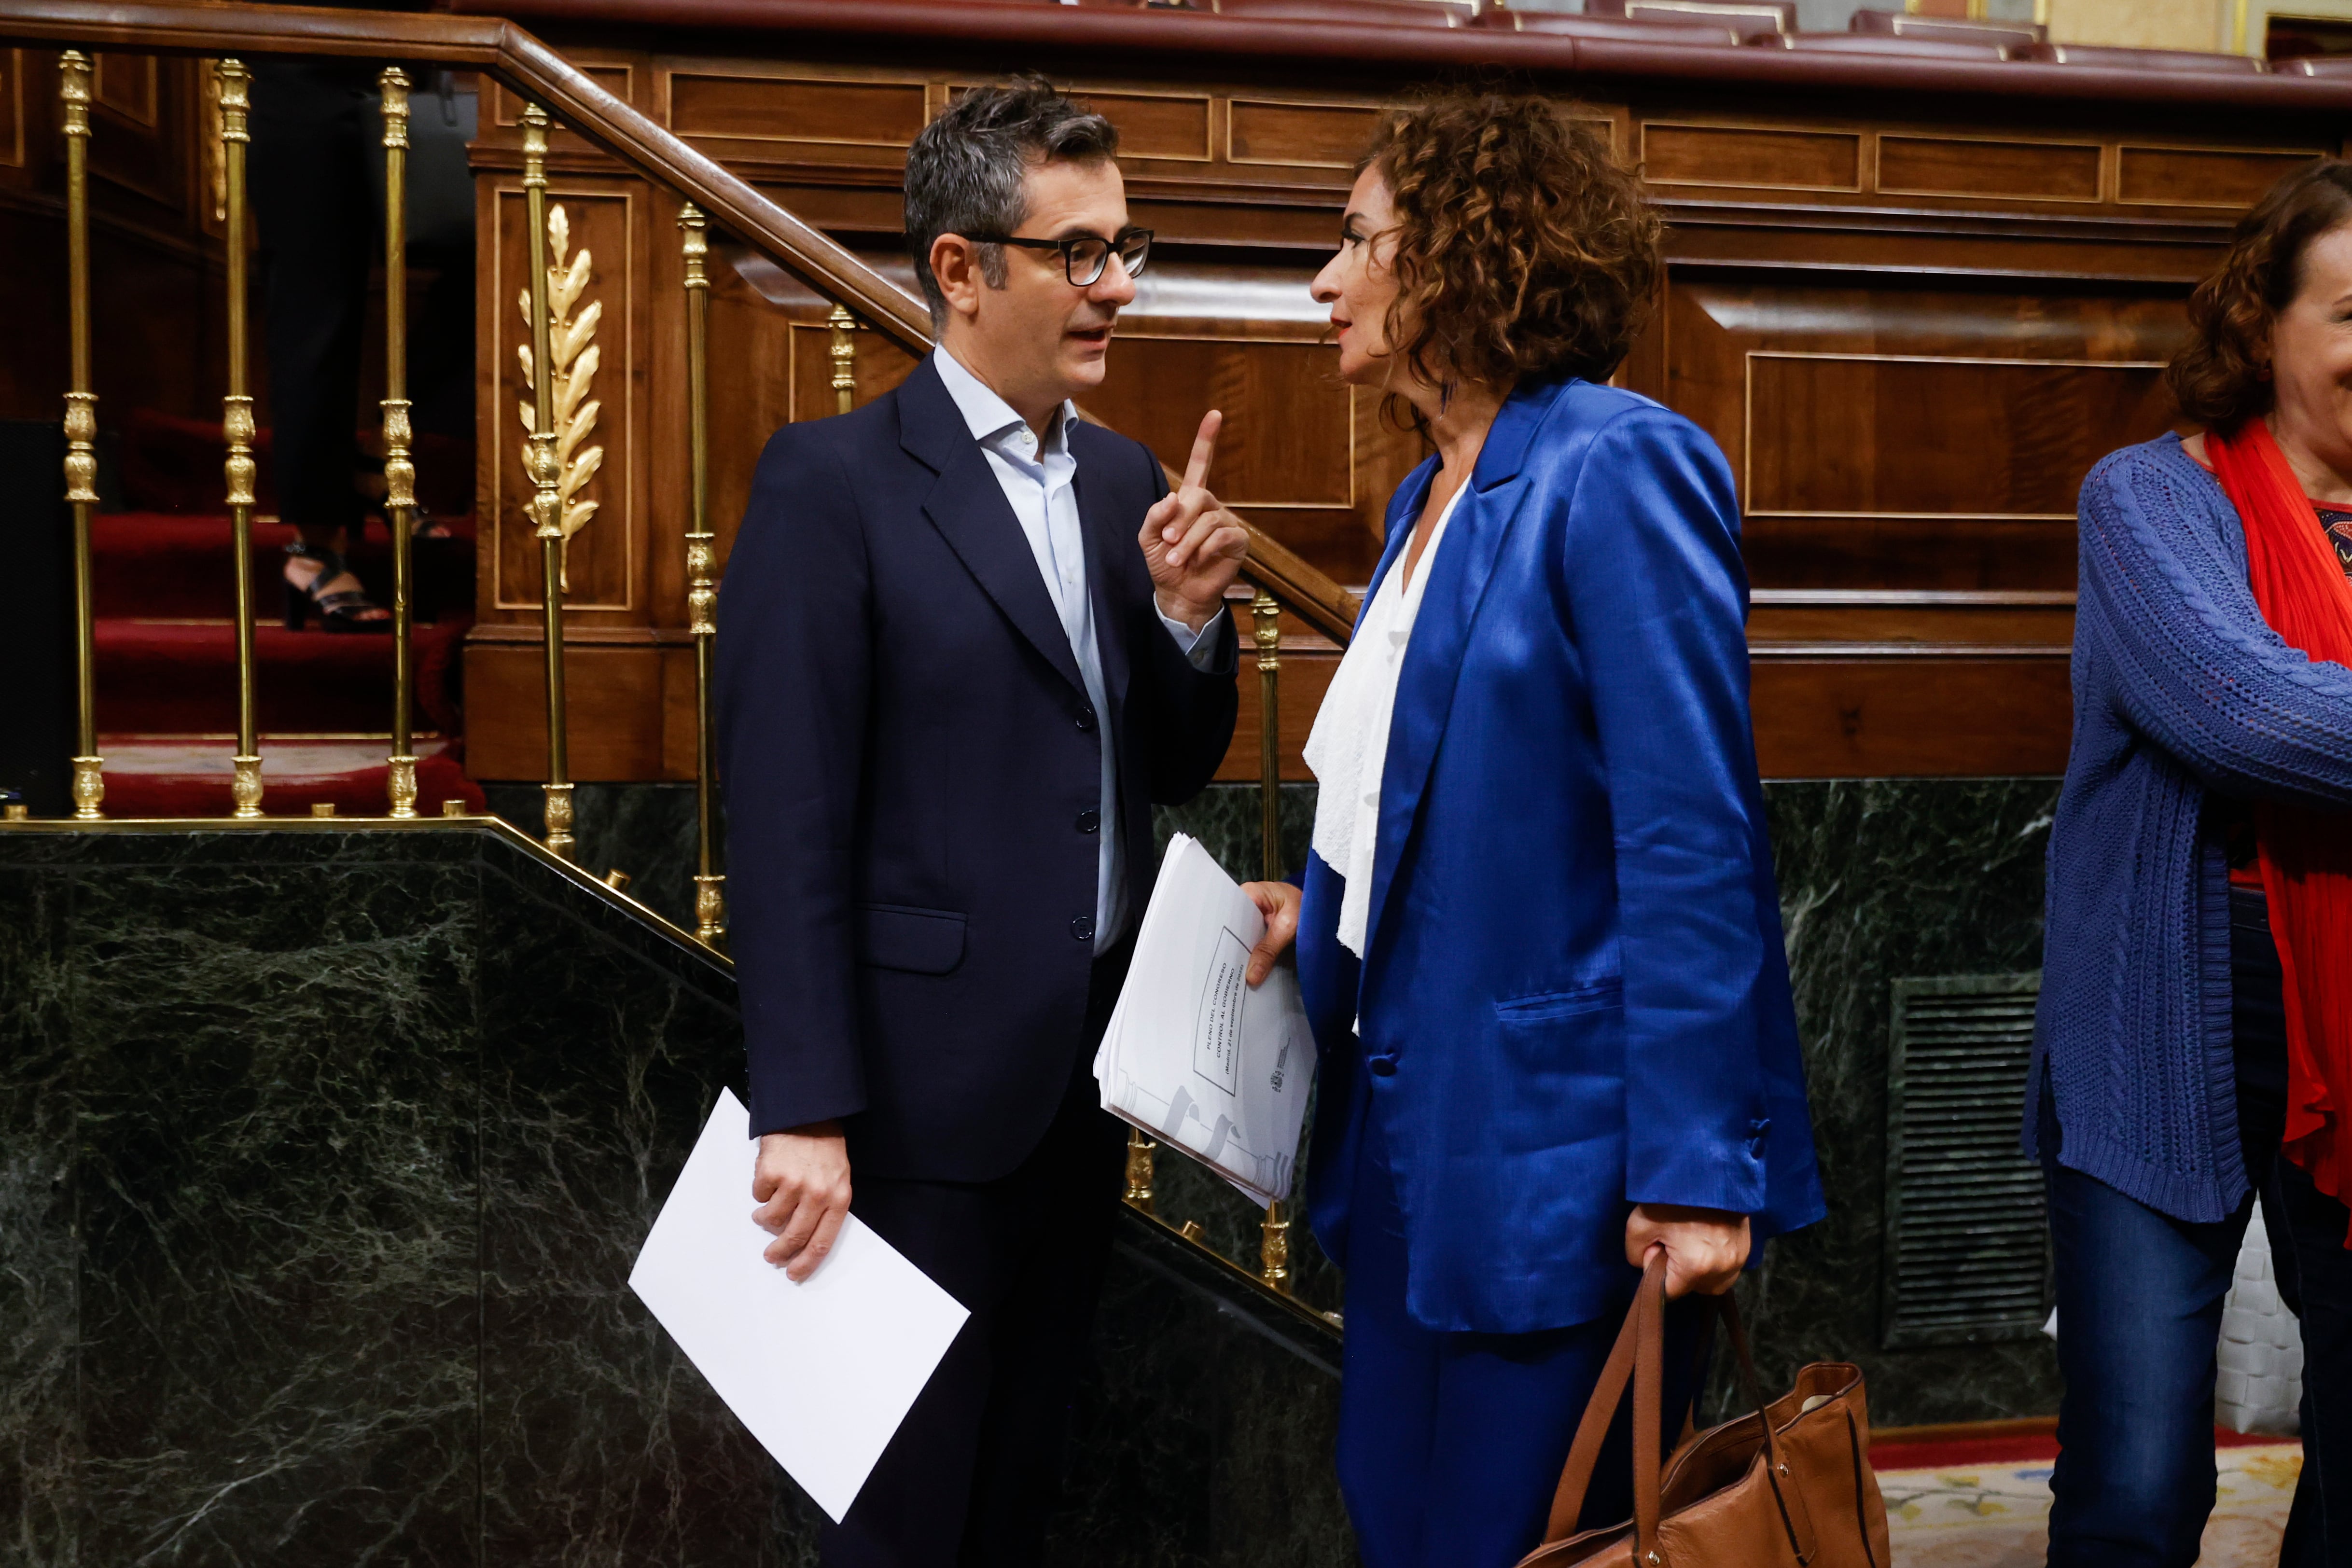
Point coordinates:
[[1574, 996], [913, 779]]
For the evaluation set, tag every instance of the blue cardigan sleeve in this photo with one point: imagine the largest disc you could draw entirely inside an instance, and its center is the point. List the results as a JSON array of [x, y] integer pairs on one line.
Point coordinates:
[[2169, 632], [1657, 598]]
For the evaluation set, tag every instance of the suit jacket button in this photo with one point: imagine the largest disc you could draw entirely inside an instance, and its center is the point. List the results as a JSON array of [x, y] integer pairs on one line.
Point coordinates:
[[1083, 928], [1381, 1066], [1089, 821], [1085, 718]]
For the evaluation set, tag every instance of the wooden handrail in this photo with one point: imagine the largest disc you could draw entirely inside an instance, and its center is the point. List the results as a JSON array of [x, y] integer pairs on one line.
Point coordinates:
[[537, 73], [1275, 566]]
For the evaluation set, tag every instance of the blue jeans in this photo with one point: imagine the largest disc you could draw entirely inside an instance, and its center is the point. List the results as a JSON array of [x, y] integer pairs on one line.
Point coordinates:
[[2139, 1315], [1451, 1444]]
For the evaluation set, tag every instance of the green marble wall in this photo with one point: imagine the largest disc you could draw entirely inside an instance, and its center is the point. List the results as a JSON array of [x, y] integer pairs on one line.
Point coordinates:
[[1882, 880], [324, 1155]]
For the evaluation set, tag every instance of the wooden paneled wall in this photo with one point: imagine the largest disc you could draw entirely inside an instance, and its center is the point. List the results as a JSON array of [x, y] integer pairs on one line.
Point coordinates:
[[1912, 327]]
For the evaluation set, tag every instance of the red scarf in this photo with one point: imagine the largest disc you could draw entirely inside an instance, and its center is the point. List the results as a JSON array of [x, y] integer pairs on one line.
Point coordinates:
[[2306, 855]]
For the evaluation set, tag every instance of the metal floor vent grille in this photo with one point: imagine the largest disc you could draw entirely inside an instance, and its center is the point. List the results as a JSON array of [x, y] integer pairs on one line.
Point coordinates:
[[1968, 1250]]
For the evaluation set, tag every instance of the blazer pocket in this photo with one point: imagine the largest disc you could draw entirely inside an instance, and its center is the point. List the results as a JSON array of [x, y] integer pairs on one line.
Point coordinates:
[[919, 941], [1591, 998]]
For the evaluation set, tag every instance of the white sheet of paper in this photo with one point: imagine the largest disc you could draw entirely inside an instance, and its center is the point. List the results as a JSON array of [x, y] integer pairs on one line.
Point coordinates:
[[820, 1373], [1193, 1055]]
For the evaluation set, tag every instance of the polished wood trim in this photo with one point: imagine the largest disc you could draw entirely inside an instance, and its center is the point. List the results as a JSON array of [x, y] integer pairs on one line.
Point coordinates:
[[2125, 147], [783, 76], [1092, 95], [506, 110], [1259, 101], [1321, 602], [1747, 422], [1873, 597], [2103, 152], [1767, 651], [1786, 131], [1165, 37], [106, 69]]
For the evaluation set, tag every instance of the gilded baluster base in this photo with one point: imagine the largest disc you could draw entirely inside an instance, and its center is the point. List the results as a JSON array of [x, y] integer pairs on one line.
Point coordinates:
[[1139, 1169], [844, 354], [400, 783], [89, 788], [710, 911], [1274, 1248], [559, 821], [247, 788]]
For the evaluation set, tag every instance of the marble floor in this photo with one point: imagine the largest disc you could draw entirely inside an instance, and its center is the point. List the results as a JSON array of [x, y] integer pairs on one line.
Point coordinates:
[[1997, 1516]]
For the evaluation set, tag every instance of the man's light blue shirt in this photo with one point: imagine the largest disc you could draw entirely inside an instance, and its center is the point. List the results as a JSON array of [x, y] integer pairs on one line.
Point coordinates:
[[1039, 480]]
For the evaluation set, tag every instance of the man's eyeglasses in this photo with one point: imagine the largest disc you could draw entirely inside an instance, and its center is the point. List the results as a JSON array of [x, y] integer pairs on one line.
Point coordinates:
[[1087, 257]]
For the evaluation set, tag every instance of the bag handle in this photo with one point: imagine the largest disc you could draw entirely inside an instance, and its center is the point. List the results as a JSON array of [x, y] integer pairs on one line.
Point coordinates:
[[1640, 1355]]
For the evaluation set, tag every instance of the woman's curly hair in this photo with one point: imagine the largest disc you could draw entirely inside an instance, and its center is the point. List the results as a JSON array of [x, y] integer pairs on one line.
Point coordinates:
[[1523, 248], [2220, 376]]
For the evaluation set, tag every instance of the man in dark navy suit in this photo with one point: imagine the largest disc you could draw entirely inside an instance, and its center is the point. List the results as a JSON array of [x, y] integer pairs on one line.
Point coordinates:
[[966, 642]]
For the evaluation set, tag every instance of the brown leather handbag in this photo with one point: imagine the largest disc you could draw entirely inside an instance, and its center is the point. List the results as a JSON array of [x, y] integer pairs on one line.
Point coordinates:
[[1787, 1485]]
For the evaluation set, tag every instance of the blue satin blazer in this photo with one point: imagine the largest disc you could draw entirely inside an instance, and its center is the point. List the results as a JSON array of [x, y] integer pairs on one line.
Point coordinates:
[[1575, 997]]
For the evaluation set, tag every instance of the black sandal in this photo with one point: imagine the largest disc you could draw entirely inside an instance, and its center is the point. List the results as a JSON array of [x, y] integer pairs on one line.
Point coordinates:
[[422, 523], [342, 610]]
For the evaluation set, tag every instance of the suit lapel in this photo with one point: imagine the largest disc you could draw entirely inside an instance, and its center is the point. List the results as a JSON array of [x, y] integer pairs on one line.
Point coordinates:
[[968, 507], [1458, 575]]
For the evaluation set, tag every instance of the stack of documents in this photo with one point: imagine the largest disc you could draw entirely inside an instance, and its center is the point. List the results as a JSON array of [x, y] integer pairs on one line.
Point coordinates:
[[1194, 1055]]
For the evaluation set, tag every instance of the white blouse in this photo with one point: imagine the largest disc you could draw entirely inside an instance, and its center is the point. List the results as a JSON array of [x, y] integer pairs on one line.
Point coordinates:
[[1348, 745]]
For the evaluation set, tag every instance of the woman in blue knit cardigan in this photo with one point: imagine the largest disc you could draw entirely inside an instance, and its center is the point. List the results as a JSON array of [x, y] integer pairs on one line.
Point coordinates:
[[2160, 1080]]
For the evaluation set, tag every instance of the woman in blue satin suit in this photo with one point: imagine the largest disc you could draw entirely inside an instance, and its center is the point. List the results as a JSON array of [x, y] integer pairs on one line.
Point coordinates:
[[1538, 935]]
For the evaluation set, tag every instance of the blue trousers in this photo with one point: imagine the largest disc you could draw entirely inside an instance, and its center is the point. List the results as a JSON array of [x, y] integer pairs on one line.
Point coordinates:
[[1451, 1444], [2140, 1314]]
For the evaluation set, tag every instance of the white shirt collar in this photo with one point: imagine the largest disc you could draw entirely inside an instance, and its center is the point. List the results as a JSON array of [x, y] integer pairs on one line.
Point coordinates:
[[987, 416]]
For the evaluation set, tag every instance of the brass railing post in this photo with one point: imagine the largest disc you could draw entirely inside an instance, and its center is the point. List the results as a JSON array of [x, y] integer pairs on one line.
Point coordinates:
[[1265, 618], [1139, 1169], [399, 471], [546, 477], [1266, 631], [237, 422], [845, 359], [82, 425], [701, 591]]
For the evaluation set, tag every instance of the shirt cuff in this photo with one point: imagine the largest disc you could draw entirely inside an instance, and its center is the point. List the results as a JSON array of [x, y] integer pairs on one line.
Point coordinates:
[[1199, 647]]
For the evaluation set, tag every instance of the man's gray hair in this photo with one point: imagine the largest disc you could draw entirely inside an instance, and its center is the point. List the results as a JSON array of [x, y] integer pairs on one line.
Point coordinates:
[[964, 172]]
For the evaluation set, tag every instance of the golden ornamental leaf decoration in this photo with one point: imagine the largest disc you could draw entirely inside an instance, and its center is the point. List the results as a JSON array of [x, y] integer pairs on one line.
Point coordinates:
[[575, 356]]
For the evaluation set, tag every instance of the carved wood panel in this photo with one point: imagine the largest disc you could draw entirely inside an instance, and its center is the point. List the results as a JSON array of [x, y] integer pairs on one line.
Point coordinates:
[[1893, 438], [606, 559]]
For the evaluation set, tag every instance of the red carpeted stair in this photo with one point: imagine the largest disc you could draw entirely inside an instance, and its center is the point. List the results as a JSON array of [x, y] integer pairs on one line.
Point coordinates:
[[164, 595]]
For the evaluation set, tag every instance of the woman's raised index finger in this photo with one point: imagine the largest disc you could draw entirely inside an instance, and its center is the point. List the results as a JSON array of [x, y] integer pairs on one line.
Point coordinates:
[[1204, 450]]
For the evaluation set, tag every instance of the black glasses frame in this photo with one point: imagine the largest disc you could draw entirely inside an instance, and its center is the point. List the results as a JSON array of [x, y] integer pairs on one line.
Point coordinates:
[[1137, 241]]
